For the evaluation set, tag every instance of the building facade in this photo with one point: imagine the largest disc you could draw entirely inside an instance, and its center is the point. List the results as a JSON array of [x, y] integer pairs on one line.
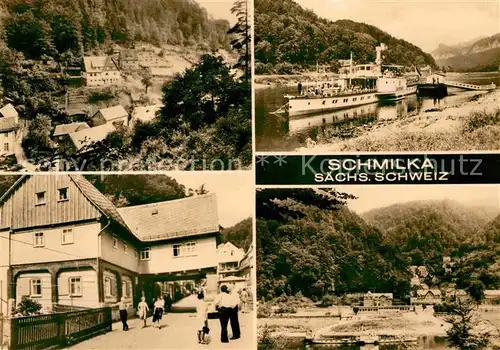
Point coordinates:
[[101, 71], [377, 299], [69, 245]]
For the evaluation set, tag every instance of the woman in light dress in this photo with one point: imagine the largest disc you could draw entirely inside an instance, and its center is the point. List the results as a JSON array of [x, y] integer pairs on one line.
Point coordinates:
[[158, 311]]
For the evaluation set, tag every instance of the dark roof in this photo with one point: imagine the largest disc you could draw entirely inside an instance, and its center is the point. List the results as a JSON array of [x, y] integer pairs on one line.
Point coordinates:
[[98, 199], [173, 219]]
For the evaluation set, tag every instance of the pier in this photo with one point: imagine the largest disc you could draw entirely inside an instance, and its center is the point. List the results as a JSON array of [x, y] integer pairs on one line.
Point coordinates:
[[470, 86]]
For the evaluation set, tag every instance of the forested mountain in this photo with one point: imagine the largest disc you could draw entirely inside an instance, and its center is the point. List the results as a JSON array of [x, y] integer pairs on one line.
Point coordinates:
[[307, 246], [287, 34], [416, 224], [480, 55], [240, 234], [56, 26]]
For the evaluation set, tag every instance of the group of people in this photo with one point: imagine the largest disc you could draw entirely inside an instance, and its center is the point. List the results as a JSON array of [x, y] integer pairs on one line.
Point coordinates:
[[228, 303], [160, 306]]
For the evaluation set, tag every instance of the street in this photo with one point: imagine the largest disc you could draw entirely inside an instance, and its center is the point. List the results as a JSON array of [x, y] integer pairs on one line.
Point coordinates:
[[179, 331]]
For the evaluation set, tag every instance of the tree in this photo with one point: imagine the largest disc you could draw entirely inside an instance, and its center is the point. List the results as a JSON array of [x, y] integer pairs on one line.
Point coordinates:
[[242, 41], [476, 291], [27, 34], [462, 323], [147, 81], [37, 143]]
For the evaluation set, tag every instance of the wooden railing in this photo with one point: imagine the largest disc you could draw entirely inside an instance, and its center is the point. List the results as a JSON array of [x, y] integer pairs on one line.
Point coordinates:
[[43, 331]]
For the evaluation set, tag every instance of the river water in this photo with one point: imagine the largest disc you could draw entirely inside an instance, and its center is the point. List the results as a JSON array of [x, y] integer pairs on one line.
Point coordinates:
[[431, 343], [275, 132]]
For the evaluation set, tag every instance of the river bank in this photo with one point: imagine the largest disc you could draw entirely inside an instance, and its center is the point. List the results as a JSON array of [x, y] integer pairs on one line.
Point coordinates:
[[467, 126], [307, 79]]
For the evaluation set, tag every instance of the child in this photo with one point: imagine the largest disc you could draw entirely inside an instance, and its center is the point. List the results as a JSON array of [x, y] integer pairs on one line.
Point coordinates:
[[201, 315], [143, 309]]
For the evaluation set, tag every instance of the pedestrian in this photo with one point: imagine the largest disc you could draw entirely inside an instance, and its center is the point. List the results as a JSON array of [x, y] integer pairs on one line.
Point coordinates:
[[122, 307], [299, 87], [143, 309], [201, 318], [224, 305], [158, 311], [233, 317], [244, 300], [168, 303]]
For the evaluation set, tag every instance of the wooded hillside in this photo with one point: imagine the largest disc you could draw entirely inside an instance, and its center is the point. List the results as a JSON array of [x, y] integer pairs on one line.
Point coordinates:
[[306, 246], [289, 37], [45, 27]]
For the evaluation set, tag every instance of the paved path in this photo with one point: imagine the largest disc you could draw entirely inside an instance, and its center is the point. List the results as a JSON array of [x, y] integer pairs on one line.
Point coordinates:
[[179, 332]]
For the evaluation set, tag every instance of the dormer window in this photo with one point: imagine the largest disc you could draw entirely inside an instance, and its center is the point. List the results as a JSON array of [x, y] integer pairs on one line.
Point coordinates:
[[40, 198], [63, 194]]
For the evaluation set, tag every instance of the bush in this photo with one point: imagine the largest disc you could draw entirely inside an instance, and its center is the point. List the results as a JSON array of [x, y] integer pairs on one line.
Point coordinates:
[[355, 310], [264, 310], [27, 307], [328, 300], [268, 342], [479, 119], [286, 309]]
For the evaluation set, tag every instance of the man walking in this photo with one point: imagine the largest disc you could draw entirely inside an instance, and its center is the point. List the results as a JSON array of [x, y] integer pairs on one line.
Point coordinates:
[[244, 300], [299, 88], [235, 323]]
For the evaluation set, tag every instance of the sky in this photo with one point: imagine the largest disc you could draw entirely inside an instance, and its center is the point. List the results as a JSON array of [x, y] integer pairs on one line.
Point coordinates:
[[425, 23], [234, 190], [372, 197], [219, 9]]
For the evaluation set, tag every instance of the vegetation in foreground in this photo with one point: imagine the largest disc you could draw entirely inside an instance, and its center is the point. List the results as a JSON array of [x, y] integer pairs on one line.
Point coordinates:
[[480, 130]]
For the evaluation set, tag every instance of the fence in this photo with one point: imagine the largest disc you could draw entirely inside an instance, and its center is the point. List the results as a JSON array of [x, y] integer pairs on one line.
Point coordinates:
[[42, 331]]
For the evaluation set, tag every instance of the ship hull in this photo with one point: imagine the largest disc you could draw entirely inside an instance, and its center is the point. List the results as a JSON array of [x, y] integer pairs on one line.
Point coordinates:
[[316, 105], [432, 90], [396, 95]]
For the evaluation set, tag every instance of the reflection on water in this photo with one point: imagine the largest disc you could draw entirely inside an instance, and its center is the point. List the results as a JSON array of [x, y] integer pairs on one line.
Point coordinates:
[[434, 343], [276, 133]]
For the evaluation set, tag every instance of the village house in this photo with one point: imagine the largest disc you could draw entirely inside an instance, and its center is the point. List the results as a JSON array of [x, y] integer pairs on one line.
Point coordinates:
[[83, 140], [160, 74], [426, 297], [63, 130], [9, 128], [452, 294], [129, 60], [101, 71], [228, 258], [491, 297], [246, 267], [377, 299], [67, 244], [116, 115]]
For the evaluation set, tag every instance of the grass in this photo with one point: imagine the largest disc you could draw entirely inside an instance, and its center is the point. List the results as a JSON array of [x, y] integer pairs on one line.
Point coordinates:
[[480, 130]]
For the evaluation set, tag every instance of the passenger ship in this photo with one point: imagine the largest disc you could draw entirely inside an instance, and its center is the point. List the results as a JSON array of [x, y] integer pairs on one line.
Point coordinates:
[[357, 85], [395, 86]]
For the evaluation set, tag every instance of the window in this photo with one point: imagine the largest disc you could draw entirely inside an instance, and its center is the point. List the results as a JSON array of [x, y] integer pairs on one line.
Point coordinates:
[[190, 248], [39, 240], [6, 147], [177, 249], [126, 289], [67, 236], [36, 288], [115, 242], [75, 286], [146, 254], [125, 248], [107, 286], [40, 198], [63, 194]]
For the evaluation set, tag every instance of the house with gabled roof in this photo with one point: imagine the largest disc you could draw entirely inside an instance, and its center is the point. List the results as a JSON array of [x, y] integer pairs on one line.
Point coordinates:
[[228, 259], [377, 299], [101, 71], [65, 243], [116, 115], [9, 128], [8, 111], [83, 140], [63, 130]]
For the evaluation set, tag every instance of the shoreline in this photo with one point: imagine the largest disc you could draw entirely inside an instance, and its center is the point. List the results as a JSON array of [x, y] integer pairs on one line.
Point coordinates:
[[431, 130]]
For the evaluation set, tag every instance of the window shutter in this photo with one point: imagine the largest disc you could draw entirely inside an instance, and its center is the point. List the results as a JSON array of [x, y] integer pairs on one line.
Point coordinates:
[[24, 286], [63, 286]]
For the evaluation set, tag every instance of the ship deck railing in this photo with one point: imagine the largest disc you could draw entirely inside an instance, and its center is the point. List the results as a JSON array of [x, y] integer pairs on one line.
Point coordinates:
[[333, 94]]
